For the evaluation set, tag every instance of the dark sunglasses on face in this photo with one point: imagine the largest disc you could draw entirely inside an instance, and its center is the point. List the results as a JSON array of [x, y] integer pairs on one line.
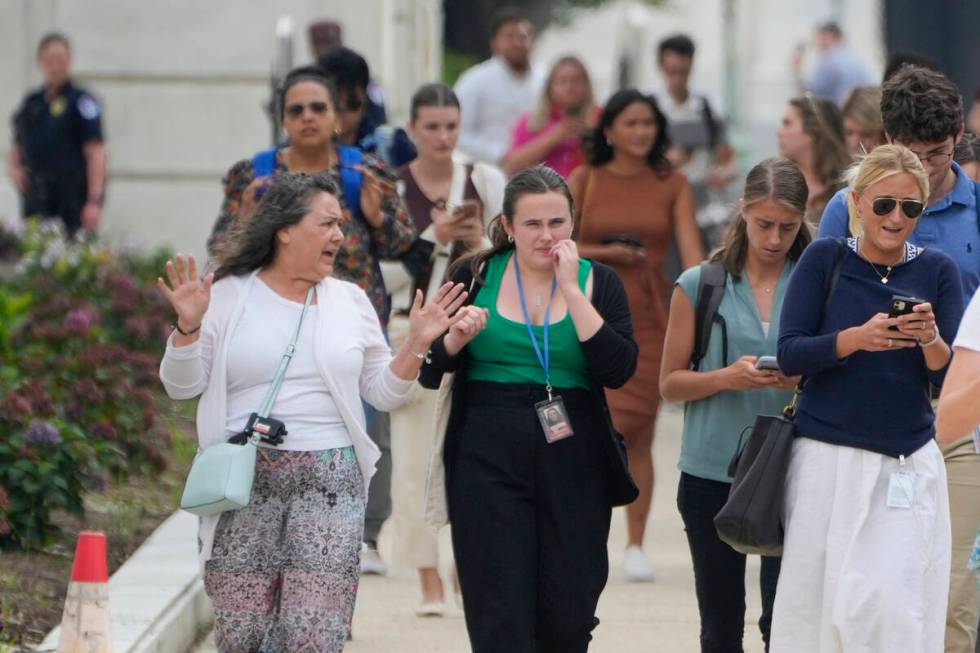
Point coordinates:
[[296, 110], [885, 205]]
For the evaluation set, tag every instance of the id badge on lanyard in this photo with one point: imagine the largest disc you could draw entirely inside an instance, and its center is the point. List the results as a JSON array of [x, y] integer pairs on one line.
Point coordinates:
[[551, 412]]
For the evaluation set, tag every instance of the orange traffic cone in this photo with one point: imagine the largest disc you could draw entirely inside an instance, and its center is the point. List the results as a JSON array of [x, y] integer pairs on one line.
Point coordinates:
[[85, 623]]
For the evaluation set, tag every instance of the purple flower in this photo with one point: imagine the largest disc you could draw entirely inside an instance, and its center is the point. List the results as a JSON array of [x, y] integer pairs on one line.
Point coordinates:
[[79, 321], [43, 433]]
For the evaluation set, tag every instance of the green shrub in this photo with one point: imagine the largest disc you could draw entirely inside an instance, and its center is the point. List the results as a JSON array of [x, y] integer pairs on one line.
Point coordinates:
[[82, 330]]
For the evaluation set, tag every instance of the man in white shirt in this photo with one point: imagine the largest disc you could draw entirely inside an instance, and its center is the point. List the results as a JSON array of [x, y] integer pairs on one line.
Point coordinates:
[[699, 146], [494, 94]]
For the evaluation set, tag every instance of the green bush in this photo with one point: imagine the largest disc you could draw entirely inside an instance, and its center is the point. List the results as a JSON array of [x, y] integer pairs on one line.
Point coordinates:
[[82, 330]]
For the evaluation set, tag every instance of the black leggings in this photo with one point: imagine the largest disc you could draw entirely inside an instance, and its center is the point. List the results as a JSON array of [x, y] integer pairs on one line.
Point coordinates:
[[719, 570], [530, 521]]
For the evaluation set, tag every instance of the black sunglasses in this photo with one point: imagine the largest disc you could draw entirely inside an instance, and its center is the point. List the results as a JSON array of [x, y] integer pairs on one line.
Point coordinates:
[[296, 110], [352, 103], [885, 205]]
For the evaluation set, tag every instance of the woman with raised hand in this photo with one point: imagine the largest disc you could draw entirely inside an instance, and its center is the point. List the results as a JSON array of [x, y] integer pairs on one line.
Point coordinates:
[[282, 571], [726, 384], [532, 466], [552, 132], [632, 206], [866, 553], [376, 225]]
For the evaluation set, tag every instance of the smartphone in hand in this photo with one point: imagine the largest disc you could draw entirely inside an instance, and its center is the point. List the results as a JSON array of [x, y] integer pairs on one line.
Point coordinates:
[[902, 305], [767, 363]]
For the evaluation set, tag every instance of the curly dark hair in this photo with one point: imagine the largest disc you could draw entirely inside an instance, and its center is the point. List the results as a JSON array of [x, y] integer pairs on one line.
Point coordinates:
[[598, 151], [919, 105], [251, 243]]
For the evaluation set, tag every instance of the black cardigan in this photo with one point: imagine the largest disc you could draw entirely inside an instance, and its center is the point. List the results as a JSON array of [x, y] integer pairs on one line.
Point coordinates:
[[611, 354]]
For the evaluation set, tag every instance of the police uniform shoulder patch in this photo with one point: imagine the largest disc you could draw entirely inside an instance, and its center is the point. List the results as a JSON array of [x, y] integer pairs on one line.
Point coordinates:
[[88, 106]]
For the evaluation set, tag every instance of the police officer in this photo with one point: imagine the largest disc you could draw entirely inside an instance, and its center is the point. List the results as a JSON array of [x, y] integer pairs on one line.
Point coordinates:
[[58, 157]]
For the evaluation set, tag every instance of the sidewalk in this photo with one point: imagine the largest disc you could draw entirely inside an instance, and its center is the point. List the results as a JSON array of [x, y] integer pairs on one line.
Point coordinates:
[[661, 616]]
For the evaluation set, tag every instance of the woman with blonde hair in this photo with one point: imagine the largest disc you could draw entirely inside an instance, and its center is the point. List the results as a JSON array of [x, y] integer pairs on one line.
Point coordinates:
[[866, 551], [812, 137], [552, 133], [861, 112]]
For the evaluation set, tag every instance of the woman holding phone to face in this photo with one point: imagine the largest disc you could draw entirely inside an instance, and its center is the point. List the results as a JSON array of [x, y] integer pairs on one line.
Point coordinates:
[[552, 133], [448, 227], [632, 206], [724, 395], [866, 552]]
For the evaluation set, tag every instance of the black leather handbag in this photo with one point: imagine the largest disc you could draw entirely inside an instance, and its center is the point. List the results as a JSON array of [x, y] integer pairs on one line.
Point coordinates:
[[751, 521]]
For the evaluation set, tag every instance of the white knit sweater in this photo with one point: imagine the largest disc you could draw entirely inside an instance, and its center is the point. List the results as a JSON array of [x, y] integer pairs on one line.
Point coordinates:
[[345, 319]]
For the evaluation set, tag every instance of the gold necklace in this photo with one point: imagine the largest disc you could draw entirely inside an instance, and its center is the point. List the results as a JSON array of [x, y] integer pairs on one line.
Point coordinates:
[[888, 269]]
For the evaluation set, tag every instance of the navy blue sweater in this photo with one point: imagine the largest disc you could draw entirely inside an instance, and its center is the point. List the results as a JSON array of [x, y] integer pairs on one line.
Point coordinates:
[[877, 401]]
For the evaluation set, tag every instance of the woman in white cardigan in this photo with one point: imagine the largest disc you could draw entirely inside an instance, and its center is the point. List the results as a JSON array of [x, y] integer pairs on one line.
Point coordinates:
[[282, 572]]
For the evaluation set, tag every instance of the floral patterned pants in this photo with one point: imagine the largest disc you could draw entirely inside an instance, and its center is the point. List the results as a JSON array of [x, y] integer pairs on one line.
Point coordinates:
[[284, 570]]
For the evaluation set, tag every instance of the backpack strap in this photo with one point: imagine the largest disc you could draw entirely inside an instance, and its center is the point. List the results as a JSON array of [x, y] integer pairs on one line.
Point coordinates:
[[264, 162], [711, 123], [711, 290], [351, 179]]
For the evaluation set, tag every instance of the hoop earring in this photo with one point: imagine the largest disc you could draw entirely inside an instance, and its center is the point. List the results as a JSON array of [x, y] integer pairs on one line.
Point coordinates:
[[510, 238]]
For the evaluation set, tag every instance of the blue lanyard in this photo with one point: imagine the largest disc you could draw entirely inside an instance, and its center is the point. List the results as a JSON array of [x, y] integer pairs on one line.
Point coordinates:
[[544, 359]]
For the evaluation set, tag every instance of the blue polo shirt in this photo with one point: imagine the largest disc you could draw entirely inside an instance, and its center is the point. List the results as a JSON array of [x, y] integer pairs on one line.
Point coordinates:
[[951, 225]]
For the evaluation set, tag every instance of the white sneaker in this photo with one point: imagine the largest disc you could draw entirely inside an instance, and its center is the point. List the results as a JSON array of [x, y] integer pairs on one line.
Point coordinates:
[[430, 609], [637, 567], [371, 562]]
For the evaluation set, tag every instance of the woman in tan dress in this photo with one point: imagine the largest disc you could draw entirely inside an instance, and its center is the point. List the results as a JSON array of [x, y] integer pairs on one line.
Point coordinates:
[[632, 204]]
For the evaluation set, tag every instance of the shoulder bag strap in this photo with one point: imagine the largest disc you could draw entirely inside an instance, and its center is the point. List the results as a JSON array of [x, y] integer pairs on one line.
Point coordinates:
[[790, 411], [270, 396], [586, 193]]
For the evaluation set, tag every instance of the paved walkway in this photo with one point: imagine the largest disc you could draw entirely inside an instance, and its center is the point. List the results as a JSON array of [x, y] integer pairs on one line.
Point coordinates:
[[660, 616]]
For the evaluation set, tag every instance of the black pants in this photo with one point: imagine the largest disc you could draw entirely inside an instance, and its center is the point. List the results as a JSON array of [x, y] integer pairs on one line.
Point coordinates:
[[719, 570], [57, 197], [530, 521]]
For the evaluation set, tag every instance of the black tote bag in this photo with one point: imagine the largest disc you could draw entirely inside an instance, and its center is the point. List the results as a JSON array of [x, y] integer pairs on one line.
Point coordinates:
[[751, 521]]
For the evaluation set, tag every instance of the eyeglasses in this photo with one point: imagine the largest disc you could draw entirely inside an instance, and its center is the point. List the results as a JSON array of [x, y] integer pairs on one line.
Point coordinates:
[[935, 158], [296, 110], [885, 205]]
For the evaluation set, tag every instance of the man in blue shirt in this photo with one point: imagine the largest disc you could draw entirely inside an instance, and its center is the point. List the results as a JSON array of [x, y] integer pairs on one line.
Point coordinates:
[[839, 71], [922, 110]]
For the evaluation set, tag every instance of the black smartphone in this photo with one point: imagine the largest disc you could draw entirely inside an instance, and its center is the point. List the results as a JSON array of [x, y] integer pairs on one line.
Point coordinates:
[[902, 305], [622, 239]]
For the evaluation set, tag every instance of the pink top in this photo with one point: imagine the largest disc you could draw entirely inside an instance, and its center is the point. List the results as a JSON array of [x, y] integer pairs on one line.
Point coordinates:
[[565, 157]]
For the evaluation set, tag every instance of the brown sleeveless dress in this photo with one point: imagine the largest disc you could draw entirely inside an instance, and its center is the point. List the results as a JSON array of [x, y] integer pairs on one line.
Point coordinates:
[[640, 206]]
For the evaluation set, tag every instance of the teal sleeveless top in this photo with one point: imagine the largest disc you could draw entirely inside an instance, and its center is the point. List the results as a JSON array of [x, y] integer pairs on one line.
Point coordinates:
[[502, 352]]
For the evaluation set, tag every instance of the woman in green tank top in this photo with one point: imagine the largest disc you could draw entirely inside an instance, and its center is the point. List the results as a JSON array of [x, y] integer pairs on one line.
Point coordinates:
[[532, 464]]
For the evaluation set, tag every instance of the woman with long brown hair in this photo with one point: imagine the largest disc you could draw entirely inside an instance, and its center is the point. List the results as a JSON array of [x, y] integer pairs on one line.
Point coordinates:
[[632, 206], [724, 385], [812, 137]]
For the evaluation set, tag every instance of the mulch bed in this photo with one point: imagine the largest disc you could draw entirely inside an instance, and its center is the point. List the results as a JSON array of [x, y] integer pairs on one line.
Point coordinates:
[[33, 583]]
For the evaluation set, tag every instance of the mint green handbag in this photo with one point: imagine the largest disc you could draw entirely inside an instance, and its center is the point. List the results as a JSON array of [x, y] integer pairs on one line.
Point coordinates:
[[221, 476]]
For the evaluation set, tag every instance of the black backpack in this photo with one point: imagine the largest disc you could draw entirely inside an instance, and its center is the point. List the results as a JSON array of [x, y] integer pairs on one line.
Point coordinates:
[[711, 290]]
